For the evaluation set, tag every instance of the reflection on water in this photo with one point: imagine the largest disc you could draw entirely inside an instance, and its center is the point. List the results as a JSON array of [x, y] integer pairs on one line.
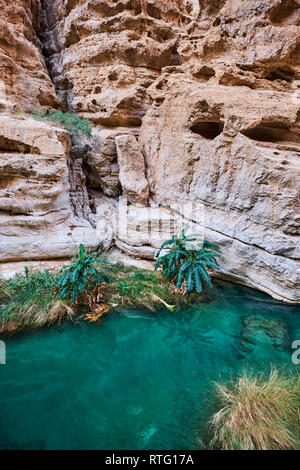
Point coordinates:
[[140, 380]]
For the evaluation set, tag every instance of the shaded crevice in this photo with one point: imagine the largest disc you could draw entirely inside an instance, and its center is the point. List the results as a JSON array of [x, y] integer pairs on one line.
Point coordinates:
[[286, 13], [273, 133], [13, 146], [52, 14], [204, 74], [208, 129], [12, 212], [281, 74]]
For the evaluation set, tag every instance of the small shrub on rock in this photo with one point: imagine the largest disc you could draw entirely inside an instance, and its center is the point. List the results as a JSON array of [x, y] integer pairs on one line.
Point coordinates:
[[70, 121]]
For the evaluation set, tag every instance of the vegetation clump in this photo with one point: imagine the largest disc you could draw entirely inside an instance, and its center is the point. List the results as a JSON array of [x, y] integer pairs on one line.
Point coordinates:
[[31, 300], [132, 287], [80, 278], [70, 121], [188, 261], [37, 298], [258, 413], [92, 286]]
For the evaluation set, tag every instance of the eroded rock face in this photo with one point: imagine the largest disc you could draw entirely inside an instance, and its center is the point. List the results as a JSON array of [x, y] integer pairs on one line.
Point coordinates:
[[36, 217], [241, 167], [24, 81], [103, 56], [132, 170], [102, 160], [140, 231], [209, 91]]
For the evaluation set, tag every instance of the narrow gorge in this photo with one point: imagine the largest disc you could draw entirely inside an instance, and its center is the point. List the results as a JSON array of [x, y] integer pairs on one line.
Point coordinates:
[[193, 104]]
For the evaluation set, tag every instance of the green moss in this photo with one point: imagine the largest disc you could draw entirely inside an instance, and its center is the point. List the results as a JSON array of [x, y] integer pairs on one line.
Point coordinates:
[[70, 121]]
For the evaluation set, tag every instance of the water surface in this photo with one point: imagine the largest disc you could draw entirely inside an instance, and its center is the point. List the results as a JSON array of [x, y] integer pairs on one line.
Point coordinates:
[[141, 380]]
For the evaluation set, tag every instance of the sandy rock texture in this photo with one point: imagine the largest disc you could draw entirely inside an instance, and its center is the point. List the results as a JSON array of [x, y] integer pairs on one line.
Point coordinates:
[[103, 55], [242, 168], [132, 170], [36, 217], [195, 106], [24, 81]]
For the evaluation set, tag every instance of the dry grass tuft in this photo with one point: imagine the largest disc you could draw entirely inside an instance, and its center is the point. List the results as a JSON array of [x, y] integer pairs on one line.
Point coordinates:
[[258, 413], [31, 300], [58, 312]]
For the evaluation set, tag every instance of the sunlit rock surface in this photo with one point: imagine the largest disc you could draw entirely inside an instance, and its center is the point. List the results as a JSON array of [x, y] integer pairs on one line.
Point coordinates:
[[132, 169], [210, 93], [24, 81], [36, 217]]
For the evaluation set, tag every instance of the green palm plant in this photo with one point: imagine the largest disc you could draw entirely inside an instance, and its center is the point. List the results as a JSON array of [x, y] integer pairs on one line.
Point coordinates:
[[189, 259], [81, 276]]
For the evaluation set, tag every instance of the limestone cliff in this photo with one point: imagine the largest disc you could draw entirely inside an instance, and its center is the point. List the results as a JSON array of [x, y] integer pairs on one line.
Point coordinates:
[[24, 81], [210, 92], [36, 216]]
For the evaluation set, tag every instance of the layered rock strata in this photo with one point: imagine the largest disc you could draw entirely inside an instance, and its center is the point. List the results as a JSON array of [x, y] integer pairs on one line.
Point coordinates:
[[36, 218], [195, 107], [132, 170], [24, 80]]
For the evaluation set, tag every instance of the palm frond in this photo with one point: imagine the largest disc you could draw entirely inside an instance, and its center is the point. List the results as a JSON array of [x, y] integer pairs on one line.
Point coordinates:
[[188, 260]]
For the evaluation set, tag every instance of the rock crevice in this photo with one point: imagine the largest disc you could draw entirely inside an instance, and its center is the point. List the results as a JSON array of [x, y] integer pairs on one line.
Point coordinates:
[[193, 103]]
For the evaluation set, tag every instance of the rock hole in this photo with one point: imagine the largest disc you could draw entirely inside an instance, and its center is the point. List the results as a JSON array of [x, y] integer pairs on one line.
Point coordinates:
[[281, 74], [153, 11], [160, 100], [209, 129], [204, 73], [287, 12], [9, 145], [273, 134], [8, 181], [137, 10], [113, 76]]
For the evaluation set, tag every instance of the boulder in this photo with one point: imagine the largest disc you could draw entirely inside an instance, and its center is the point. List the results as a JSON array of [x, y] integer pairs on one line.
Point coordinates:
[[259, 333], [37, 219], [132, 170]]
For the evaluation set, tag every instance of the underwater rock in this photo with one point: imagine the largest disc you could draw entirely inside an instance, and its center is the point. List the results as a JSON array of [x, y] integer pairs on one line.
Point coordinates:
[[259, 332]]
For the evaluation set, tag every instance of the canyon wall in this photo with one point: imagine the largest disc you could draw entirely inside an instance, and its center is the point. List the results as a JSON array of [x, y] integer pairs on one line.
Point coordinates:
[[192, 102], [24, 80]]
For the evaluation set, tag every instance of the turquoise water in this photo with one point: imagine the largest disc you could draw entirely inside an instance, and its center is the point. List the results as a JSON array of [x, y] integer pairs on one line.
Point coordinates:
[[141, 380]]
